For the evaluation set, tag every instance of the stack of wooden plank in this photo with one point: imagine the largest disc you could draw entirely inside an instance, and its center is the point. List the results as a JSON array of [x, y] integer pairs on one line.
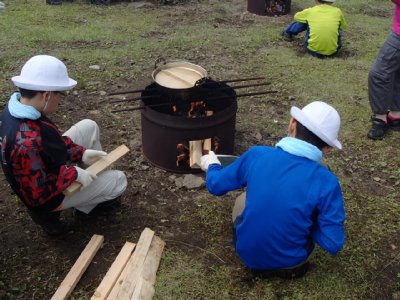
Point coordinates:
[[131, 276]]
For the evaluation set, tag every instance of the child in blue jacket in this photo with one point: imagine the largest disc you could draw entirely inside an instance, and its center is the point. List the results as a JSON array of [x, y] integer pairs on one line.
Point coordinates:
[[292, 201]]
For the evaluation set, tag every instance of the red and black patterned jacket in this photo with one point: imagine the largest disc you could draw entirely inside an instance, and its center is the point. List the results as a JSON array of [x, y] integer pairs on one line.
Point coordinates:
[[34, 157]]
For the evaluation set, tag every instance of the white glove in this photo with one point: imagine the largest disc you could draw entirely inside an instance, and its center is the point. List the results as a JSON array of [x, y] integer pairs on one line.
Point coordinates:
[[2, 7], [85, 177], [90, 156], [209, 159]]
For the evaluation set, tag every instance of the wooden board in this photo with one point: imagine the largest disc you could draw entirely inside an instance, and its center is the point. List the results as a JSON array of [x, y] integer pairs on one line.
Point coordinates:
[[99, 166], [207, 142], [123, 289], [196, 152], [77, 270], [145, 287], [135, 267], [106, 285]]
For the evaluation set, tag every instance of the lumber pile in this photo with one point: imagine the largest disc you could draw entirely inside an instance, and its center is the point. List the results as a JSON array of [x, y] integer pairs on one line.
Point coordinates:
[[132, 275]]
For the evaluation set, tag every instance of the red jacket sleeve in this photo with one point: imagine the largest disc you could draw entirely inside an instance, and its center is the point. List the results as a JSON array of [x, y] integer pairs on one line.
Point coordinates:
[[75, 151], [36, 185]]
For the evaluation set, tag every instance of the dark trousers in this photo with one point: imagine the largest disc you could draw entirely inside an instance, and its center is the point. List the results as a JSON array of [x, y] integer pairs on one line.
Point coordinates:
[[296, 27], [384, 78]]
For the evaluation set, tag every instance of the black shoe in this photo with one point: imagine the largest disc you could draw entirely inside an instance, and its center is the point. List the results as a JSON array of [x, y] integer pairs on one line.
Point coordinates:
[[108, 205], [291, 273], [101, 2], [54, 2], [378, 130], [50, 222], [287, 36], [394, 124]]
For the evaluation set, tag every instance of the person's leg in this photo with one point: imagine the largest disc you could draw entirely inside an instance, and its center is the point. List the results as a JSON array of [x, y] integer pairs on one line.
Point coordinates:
[[295, 28], [240, 204], [107, 186], [49, 221], [393, 116], [85, 133], [381, 87]]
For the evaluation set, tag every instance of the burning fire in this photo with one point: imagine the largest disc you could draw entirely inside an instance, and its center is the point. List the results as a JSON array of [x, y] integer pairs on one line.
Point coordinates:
[[275, 6]]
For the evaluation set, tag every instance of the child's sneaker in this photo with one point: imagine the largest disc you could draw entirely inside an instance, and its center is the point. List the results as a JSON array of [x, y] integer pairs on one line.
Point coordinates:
[[378, 130]]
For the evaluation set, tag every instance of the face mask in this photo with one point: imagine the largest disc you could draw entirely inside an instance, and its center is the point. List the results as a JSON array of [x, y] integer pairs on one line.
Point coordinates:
[[47, 102]]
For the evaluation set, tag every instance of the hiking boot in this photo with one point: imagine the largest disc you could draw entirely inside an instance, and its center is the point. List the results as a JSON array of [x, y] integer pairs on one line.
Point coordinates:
[[50, 222], [394, 124], [287, 36], [378, 130]]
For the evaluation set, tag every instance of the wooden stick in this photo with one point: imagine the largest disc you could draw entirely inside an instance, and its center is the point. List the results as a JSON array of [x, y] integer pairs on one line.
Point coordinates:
[[207, 142], [99, 166], [106, 285], [195, 149], [135, 267], [77, 270]]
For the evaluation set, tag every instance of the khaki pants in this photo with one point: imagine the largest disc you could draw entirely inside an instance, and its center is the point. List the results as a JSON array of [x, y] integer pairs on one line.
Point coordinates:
[[239, 206], [107, 186]]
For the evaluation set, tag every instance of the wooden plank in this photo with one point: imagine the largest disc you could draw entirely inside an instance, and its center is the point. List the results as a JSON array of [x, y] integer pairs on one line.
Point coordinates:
[[145, 290], [196, 152], [106, 285], [99, 166], [136, 265], [207, 142], [77, 270], [114, 292]]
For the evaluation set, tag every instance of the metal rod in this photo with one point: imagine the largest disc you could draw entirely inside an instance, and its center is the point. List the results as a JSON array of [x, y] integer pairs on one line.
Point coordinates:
[[222, 81], [182, 102], [243, 79], [125, 92], [200, 92]]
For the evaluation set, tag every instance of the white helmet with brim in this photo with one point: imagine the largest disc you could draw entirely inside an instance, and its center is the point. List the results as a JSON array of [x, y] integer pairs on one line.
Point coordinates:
[[321, 119], [44, 73]]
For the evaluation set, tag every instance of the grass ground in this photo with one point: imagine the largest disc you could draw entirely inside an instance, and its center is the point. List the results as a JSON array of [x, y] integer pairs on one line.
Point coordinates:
[[228, 42]]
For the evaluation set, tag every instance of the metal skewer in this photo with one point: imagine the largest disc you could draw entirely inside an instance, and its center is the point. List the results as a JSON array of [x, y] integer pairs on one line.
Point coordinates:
[[222, 81], [182, 102], [200, 92]]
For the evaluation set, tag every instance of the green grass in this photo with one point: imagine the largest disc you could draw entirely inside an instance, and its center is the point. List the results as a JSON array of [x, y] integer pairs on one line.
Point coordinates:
[[216, 34]]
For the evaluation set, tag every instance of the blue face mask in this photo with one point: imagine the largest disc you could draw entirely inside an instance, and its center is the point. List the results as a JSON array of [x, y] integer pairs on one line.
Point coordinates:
[[22, 111], [300, 148]]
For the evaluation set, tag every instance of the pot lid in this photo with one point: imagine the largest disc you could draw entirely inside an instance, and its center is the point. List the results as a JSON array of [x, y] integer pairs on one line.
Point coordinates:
[[179, 75]]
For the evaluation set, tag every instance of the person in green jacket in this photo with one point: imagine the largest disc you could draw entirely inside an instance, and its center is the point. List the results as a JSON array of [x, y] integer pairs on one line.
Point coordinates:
[[323, 24]]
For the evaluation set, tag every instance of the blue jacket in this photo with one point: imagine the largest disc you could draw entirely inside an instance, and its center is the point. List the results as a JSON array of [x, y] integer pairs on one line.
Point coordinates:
[[291, 202]]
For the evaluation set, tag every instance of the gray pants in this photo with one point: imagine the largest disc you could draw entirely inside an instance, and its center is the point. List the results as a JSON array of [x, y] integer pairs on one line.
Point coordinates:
[[107, 186], [384, 78]]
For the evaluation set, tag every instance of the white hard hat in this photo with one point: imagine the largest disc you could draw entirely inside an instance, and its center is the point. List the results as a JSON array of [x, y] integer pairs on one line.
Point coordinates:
[[44, 73], [321, 119]]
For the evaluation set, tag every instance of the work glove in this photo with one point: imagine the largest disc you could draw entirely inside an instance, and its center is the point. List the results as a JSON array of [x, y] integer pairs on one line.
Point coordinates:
[[209, 159], [91, 156], [2, 7], [84, 177]]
